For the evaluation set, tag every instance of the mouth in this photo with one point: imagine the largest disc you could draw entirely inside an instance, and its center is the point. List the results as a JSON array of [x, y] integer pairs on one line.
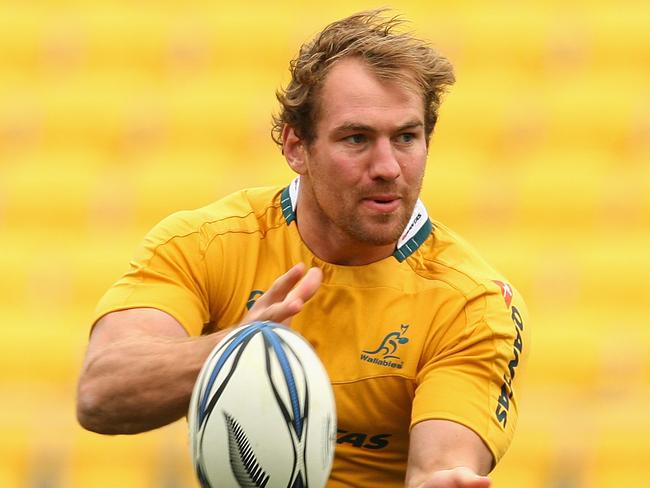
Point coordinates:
[[382, 203]]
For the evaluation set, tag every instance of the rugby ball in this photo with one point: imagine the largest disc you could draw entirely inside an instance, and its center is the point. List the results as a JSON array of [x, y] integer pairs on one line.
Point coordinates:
[[262, 412]]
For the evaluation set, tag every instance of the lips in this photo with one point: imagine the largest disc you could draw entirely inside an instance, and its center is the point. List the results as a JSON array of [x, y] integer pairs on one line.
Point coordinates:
[[384, 203]]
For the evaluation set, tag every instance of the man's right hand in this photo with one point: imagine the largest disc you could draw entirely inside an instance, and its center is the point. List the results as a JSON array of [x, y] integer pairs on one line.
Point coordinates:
[[140, 365], [456, 478], [286, 296]]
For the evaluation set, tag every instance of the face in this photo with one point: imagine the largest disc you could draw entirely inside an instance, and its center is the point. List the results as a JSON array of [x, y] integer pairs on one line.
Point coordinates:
[[362, 175]]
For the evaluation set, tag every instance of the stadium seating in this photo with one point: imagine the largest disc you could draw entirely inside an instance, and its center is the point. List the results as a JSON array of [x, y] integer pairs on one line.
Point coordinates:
[[115, 114]]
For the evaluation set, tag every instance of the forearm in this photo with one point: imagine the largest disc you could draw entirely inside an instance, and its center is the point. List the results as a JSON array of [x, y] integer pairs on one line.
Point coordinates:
[[141, 382], [446, 454]]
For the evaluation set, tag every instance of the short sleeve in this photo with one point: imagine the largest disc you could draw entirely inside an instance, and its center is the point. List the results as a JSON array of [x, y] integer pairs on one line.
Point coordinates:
[[168, 273], [473, 372]]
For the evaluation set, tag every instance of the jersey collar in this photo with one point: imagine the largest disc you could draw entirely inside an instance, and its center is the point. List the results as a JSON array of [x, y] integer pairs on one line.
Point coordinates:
[[417, 230]]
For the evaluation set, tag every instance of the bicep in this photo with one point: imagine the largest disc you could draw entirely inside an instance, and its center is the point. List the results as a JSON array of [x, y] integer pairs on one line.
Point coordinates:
[[442, 444], [124, 324]]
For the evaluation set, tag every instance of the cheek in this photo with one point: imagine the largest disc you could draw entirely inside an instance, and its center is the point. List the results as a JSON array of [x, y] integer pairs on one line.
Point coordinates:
[[415, 166], [342, 171]]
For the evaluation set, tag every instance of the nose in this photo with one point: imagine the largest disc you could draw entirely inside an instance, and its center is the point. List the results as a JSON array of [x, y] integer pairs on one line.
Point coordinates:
[[383, 163]]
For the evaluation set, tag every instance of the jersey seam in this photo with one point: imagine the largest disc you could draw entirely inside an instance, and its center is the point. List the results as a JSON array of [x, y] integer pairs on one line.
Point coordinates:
[[154, 250], [447, 282], [482, 321], [356, 380], [440, 263], [272, 206], [493, 367], [203, 224]]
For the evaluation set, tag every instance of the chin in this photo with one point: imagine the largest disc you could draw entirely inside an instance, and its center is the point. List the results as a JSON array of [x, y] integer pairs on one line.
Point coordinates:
[[381, 241], [378, 236], [376, 230]]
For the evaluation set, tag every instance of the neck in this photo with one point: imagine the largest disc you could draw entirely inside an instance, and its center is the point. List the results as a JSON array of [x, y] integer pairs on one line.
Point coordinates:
[[334, 247], [330, 243]]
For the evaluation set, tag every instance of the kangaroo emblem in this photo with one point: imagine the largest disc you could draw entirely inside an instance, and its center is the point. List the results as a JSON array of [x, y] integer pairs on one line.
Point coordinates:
[[390, 343]]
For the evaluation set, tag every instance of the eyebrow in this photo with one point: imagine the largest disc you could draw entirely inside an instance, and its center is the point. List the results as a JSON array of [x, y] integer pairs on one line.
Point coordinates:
[[358, 127], [413, 124]]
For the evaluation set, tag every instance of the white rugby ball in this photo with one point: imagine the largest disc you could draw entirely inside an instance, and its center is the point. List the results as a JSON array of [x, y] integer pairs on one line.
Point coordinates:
[[262, 412]]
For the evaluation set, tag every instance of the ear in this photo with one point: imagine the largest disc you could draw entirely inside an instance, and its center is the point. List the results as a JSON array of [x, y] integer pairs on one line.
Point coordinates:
[[294, 150]]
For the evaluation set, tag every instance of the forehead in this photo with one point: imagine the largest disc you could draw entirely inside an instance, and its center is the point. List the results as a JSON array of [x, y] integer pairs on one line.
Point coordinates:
[[353, 93]]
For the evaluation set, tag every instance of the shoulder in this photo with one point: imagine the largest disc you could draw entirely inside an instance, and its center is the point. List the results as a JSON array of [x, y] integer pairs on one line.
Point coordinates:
[[246, 211], [449, 262]]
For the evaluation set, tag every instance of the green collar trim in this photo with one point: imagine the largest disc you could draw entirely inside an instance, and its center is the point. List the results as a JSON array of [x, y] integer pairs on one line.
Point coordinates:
[[417, 231]]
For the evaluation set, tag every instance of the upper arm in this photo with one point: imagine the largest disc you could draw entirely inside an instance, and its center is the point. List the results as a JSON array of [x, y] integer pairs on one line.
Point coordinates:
[[471, 377], [138, 372], [441, 444], [169, 274], [123, 324]]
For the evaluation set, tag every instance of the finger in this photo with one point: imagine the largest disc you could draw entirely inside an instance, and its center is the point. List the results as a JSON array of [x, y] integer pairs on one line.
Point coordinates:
[[460, 477], [296, 298], [478, 482], [277, 312], [282, 313], [278, 291], [306, 287], [466, 478]]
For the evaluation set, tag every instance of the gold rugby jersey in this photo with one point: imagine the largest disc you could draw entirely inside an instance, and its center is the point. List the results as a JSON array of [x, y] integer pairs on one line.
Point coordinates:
[[431, 332]]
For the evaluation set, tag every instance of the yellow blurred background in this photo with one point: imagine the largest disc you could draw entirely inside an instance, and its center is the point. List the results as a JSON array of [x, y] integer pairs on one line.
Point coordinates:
[[114, 114]]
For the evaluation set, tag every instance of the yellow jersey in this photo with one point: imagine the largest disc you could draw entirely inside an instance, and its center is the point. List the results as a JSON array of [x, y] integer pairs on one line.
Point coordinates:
[[431, 332]]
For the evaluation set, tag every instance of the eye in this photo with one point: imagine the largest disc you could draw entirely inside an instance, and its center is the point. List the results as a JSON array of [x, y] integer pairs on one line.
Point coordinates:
[[406, 137], [356, 139]]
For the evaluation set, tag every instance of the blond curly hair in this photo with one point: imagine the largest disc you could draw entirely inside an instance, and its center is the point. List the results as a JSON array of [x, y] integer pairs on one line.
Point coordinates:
[[390, 54]]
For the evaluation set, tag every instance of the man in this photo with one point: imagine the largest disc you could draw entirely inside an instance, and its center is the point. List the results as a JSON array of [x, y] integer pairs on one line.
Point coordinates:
[[422, 340]]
